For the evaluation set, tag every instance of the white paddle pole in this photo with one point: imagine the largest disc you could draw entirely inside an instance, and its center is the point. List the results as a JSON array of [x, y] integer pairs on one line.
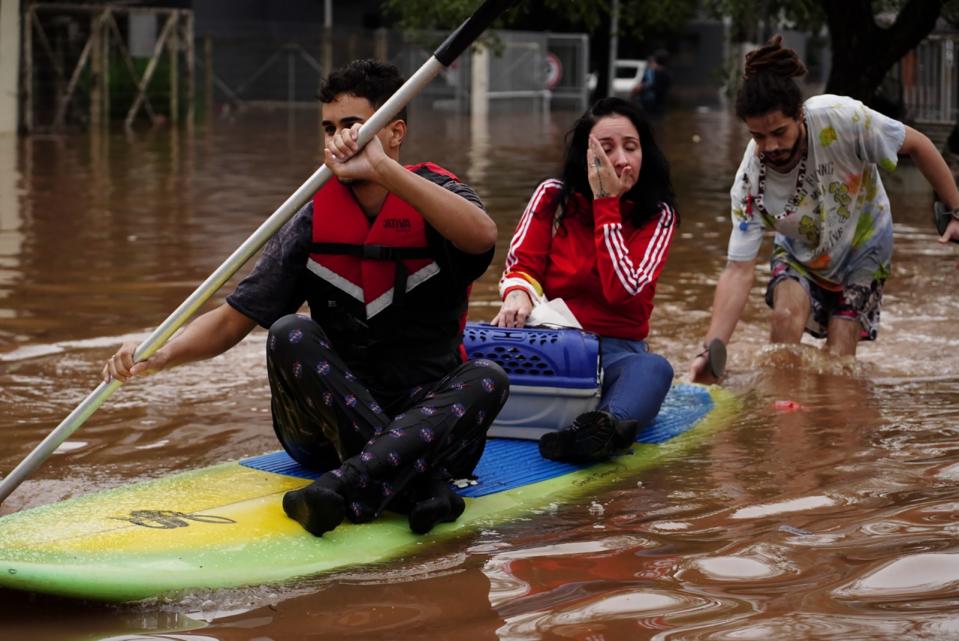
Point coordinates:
[[441, 58]]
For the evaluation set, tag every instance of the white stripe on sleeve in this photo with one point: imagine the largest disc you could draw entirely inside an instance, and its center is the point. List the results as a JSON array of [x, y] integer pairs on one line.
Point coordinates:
[[525, 221], [634, 280]]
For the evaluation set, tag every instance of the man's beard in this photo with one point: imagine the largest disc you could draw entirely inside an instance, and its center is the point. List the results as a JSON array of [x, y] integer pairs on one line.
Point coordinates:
[[789, 158]]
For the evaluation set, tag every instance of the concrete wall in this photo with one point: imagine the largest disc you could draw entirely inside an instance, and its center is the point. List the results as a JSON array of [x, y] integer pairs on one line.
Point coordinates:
[[697, 64], [9, 64], [239, 17]]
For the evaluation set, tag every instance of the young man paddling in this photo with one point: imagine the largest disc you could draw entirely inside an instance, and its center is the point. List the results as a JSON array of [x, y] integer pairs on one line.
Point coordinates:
[[373, 388], [811, 174]]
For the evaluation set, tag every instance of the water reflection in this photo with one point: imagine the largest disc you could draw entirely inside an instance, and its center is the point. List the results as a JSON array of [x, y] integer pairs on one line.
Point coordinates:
[[78, 621], [907, 577], [609, 599], [11, 223], [733, 568]]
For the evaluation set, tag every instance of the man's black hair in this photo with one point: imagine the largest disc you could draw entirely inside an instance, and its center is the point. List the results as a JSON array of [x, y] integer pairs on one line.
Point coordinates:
[[371, 79], [768, 83]]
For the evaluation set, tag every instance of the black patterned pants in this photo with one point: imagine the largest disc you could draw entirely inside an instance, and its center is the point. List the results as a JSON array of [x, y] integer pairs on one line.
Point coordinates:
[[327, 420]]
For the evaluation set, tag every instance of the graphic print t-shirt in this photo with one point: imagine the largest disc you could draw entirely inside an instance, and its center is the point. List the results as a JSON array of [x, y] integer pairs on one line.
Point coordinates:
[[841, 232]]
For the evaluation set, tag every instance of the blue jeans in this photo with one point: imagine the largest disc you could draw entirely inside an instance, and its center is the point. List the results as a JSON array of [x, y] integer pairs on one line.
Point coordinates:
[[635, 381]]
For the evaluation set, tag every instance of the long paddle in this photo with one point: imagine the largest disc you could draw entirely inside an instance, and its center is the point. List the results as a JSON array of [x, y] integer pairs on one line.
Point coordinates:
[[441, 58]]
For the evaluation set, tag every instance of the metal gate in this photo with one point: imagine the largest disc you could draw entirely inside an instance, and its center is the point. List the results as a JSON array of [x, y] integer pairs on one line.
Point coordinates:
[[568, 58], [929, 81]]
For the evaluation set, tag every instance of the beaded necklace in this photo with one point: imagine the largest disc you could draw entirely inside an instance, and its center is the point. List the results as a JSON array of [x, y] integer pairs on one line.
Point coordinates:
[[793, 204]]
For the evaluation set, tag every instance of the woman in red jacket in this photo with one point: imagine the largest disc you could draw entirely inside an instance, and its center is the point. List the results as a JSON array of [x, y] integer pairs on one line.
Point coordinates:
[[598, 239]]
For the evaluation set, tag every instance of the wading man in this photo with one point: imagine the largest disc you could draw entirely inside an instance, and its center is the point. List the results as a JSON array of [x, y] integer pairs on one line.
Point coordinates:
[[810, 173]]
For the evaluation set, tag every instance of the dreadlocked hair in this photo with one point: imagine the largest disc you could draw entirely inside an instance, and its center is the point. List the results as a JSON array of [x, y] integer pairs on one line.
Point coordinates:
[[768, 83]]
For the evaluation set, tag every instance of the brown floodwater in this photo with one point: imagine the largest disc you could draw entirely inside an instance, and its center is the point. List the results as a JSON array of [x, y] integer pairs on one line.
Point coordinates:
[[835, 521]]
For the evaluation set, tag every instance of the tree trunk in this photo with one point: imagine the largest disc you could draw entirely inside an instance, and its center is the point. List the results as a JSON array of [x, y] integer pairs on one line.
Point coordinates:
[[862, 52]]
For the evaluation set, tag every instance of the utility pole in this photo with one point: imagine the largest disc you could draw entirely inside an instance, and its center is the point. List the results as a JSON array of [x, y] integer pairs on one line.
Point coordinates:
[[613, 45], [326, 59]]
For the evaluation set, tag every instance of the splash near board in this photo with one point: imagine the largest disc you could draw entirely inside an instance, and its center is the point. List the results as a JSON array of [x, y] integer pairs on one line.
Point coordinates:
[[223, 526]]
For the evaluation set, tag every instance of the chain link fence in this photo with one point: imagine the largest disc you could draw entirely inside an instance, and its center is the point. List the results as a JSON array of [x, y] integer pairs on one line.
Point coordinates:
[[255, 64]]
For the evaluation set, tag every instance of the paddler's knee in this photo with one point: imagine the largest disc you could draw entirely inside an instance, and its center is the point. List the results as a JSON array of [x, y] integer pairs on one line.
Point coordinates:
[[492, 377], [291, 331]]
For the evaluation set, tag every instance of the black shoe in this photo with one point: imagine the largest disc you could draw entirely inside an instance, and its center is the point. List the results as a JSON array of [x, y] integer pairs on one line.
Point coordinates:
[[435, 502], [318, 507], [593, 436]]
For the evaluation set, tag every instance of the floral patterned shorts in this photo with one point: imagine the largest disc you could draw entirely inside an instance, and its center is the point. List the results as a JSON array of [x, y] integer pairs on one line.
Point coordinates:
[[854, 301]]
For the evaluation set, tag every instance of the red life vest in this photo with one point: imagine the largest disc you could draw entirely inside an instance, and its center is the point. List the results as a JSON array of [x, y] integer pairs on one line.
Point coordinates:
[[375, 263]]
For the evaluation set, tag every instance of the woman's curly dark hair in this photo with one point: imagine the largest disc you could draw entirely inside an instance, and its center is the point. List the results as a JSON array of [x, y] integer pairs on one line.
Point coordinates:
[[768, 83], [653, 185]]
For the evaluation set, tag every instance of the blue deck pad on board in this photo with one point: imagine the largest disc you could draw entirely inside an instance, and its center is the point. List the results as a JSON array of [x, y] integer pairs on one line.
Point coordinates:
[[510, 463]]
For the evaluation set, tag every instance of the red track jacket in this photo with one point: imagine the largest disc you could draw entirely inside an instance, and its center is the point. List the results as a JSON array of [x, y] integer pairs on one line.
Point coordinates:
[[603, 267]]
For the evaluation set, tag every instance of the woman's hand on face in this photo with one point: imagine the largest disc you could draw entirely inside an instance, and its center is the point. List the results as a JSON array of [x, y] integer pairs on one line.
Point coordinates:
[[602, 175], [515, 310]]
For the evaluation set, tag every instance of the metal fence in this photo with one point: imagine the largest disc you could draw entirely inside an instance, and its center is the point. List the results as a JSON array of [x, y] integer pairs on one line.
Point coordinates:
[[568, 60], [929, 81], [547, 69], [79, 69], [518, 68], [256, 64]]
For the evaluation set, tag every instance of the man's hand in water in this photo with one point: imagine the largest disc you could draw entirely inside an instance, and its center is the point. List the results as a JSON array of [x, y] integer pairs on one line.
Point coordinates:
[[951, 233], [699, 370], [709, 365]]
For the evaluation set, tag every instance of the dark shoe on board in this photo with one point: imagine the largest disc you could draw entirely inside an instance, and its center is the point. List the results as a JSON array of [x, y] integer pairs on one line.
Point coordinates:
[[593, 436], [318, 507], [435, 503]]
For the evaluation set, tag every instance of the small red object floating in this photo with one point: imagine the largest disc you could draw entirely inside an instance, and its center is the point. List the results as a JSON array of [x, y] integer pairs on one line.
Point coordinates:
[[787, 406]]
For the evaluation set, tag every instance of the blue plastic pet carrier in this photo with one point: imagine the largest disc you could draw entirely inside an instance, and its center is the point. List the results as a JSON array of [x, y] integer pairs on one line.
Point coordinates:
[[554, 375]]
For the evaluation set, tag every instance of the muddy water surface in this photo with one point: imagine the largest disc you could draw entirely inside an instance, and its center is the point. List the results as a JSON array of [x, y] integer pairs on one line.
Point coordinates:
[[838, 520]]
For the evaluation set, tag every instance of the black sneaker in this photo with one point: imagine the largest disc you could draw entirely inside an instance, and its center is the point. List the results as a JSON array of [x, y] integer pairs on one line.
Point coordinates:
[[319, 507], [434, 501], [593, 436]]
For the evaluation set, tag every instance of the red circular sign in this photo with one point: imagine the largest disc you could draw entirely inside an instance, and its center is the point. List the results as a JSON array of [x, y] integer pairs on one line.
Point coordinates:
[[554, 70]]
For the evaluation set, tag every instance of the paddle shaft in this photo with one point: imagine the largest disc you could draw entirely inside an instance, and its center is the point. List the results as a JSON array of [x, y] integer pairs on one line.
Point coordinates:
[[441, 58]]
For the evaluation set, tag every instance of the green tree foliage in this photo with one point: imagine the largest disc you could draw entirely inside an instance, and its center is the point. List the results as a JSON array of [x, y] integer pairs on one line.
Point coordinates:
[[863, 51], [643, 25], [447, 14], [637, 17], [746, 15], [868, 37]]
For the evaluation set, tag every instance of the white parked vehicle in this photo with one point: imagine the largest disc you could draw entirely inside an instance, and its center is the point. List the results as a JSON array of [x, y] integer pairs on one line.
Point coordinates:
[[626, 77]]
